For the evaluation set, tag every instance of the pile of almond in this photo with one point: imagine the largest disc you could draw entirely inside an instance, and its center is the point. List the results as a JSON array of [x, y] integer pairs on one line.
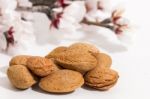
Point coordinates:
[[64, 69]]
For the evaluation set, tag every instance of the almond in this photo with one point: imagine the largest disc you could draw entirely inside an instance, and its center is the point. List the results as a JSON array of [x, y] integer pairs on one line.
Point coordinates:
[[20, 76], [62, 81], [41, 66], [101, 78]]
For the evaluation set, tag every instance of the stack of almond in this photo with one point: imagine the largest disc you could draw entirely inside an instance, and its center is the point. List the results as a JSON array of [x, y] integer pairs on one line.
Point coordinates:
[[64, 69]]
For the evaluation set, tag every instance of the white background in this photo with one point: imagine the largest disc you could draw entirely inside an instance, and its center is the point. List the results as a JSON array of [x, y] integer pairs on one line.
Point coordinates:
[[133, 65]]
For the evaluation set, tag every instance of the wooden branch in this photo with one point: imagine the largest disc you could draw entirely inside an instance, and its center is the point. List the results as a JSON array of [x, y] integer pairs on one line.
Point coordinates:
[[106, 24], [33, 9], [43, 2], [44, 6], [43, 9], [46, 2]]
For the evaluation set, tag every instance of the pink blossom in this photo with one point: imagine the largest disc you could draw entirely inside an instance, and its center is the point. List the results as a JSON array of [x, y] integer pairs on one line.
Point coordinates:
[[69, 17], [120, 23], [9, 37]]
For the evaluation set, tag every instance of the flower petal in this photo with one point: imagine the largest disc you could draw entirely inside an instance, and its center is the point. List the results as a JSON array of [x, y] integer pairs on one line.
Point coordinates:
[[76, 10]]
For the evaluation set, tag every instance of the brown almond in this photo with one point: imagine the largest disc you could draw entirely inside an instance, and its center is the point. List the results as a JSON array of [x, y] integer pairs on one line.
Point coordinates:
[[62, 81], [101, 78], [20, 76], [81, 61], [19, 60], [84, 46], [103, 59], [41, 66], [56, 51]]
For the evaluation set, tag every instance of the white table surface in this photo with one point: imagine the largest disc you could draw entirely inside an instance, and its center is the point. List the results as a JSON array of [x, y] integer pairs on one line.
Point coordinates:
[[133, 66]]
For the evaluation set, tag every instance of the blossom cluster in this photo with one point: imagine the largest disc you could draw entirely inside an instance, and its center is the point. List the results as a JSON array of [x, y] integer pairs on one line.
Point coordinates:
[[69, 19], [14, 32]]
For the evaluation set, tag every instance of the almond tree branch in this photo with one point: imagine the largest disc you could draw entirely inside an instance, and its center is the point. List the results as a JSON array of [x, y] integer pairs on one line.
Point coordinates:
[[40, 8], [44, 6], [43, 2], [46, 2], [105, 23]]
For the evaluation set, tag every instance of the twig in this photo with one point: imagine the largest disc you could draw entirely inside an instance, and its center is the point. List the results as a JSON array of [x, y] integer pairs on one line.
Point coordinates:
[[43, 2], [105, 23], [44, 6], [43, 9], [46, 2]]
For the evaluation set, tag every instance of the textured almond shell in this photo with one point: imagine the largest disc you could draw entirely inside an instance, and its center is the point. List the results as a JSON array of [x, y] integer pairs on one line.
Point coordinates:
[[19, 60], [56, 51], [62, 81], [20, 76], [101, 78], [84, 47], [103, 59], [77, 60], [41, 66]]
